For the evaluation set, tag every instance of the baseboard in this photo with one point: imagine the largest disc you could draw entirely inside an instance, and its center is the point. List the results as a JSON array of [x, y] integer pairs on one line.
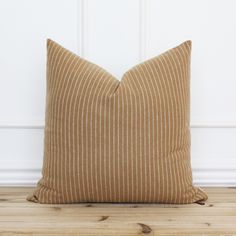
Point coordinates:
[[215, 177], [203, 177], [19, 177]]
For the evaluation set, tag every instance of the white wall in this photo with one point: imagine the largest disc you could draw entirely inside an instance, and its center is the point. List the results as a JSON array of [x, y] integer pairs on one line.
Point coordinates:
[[117, 34]]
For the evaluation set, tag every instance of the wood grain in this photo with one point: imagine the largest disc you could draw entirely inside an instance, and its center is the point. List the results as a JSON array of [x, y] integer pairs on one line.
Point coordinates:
[[216, 217]]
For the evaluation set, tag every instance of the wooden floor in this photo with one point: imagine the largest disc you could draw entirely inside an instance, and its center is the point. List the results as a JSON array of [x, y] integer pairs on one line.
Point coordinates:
[[216, 217]]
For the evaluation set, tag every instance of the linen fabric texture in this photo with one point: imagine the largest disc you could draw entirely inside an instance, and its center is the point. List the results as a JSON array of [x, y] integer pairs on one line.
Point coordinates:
[[117, 141]]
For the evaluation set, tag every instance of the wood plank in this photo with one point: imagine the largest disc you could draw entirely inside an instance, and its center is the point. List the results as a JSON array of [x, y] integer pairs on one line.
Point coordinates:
[[20, 217]]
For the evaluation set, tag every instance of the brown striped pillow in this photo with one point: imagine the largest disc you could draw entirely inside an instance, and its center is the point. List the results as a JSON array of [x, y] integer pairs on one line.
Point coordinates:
[[117, 141]]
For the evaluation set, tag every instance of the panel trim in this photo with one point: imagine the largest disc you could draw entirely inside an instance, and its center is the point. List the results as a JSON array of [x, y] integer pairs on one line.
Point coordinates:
[[143, 29], [201, 125], [21, 126], [80, 27], [213, 125], [83, 25]]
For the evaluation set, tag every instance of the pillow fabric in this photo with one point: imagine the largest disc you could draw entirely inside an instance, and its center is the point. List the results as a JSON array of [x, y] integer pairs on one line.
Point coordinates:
[[117, 141]]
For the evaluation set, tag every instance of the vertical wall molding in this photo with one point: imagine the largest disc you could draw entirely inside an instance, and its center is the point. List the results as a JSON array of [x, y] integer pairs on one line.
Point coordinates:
[[142, 29], [144, 9], [82, 27]]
